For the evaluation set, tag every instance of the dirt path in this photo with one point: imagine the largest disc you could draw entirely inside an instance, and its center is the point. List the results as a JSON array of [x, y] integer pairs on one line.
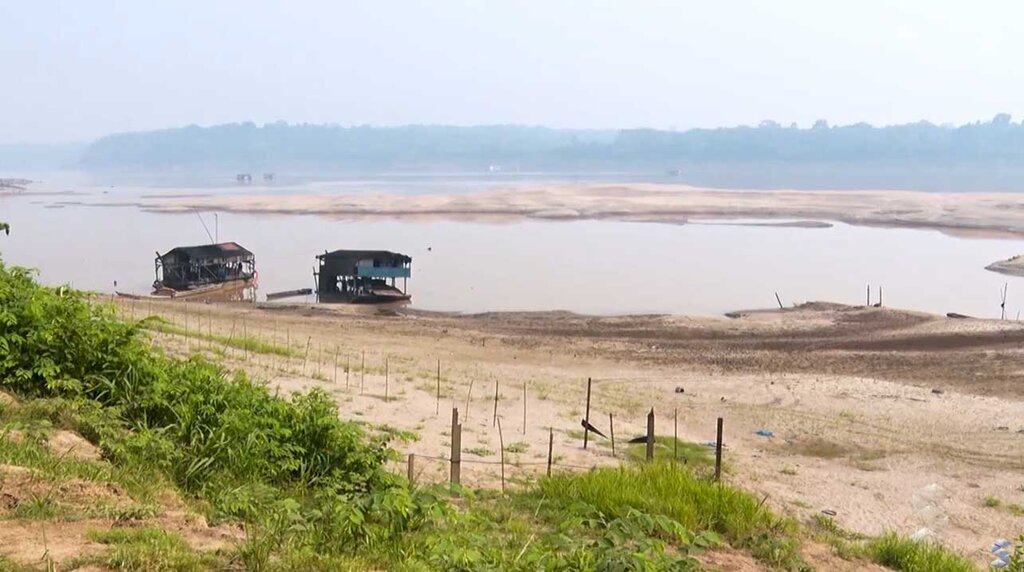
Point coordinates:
[[868, 407]]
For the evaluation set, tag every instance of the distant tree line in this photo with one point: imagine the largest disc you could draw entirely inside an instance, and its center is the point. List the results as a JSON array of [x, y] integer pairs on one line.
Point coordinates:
[[281, 146]]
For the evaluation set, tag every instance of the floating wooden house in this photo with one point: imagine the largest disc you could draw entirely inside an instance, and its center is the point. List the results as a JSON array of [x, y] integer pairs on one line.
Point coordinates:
[[362, 276], [224, 269]]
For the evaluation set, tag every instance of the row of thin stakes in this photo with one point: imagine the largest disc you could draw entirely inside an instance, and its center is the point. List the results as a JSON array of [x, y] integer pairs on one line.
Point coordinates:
[[455, 456], [649, 440]]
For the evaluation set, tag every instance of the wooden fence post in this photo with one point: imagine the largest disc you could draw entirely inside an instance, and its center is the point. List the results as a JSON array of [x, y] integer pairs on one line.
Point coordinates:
[[437, 407], [456, 454], [675, 435], [551, 447], [524, 408], [611, 426], [386, 379], [501, 446], [411, 469], [469, 396], [586, 417], [718, 453], [362, 374], [305, 356], [494, 420], [650, 435], [335, 365]]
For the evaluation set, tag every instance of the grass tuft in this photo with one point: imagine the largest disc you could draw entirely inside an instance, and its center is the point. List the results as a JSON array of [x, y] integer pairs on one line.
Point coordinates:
[[149, 549], [675, 492], [906, 555]]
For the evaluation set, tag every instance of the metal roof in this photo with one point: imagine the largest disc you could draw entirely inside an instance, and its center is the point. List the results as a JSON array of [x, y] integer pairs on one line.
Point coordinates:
[[222, 250], [361, 254]]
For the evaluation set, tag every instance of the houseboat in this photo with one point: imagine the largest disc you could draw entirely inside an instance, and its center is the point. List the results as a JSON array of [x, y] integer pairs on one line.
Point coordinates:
[[362, 277], [221, 271]]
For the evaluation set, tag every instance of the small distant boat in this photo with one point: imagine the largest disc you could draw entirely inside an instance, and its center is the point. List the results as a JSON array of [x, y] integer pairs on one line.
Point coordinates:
[[224, 271], [289, 293]]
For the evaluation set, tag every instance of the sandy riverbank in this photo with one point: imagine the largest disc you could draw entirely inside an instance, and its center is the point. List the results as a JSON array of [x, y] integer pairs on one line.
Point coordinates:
[[868, 406], [1013, 266], [971, 213]]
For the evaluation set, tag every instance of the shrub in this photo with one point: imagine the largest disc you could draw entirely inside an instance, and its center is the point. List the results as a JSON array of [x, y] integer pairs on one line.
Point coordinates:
[[212, 433]]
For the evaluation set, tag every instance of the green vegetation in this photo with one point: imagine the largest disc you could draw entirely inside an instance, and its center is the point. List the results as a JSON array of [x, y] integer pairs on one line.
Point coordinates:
[[517, 447], [992, 502], [148, 549], [248, 343], [915, 556], [478, 451], [889, 550], [669, 449], [696, 503], [311, 490]]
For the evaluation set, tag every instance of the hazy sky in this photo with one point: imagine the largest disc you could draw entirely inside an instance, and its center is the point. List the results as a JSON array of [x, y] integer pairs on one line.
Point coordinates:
[[79, 69]]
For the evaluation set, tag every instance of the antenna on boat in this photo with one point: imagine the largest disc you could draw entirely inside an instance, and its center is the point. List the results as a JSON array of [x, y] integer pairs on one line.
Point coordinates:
[[207, 229]]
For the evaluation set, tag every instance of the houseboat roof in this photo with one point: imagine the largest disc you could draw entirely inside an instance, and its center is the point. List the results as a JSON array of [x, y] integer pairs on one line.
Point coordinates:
[[206, 251], [360, 254]]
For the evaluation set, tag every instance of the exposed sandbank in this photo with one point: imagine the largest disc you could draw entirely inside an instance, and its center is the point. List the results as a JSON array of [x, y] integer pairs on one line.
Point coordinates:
[[1013, 266], [991, 214]]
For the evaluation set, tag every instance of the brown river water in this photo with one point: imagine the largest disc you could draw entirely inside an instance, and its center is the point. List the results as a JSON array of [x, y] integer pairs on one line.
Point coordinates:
[[598, 267]]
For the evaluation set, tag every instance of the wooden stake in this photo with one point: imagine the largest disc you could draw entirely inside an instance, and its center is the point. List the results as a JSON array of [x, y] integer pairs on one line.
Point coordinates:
[[650, 435], [718, 452], [611, 426], [586, 431], [386, 379], [501, 445], [348, 362], [494, 420], [551, 447], [305, 356], [437, 406], [456, 454], [777, 299], [879, 296], [411, 474], [469, 395], [245, 341], [524, 408], [231, 336], [869, 295], [675, 435], [335, 365], [1002, 305], [362, 374], [188, 342]]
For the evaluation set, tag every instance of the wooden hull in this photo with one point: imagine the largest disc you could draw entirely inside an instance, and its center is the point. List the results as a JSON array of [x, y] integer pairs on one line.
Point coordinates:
[[221, 290], [378, 296]]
